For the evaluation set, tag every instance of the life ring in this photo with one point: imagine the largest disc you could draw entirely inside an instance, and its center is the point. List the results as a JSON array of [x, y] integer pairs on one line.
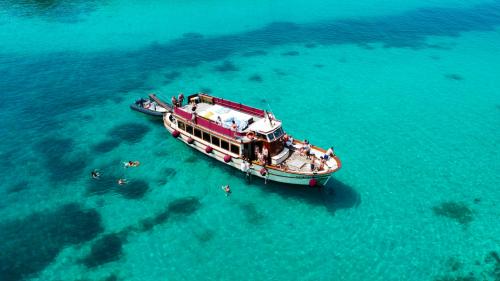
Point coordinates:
[[250, 135]]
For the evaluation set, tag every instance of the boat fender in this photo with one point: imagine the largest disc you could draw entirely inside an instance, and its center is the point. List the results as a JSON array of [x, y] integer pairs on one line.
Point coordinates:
[[208, 149], [250, 135], [190, 140], [176, 134], [227, 158], [263, 171], [313, 182]]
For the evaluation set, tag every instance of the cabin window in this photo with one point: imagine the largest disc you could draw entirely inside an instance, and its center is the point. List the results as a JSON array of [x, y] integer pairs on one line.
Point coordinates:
[[189, 129], [224, 144], [215, 141], [181, 125], [197, 133], [206, 136], [235, 149]]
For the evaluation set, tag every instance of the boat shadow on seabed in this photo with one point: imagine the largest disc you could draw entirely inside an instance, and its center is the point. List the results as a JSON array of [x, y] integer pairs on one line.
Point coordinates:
[[335, 195]]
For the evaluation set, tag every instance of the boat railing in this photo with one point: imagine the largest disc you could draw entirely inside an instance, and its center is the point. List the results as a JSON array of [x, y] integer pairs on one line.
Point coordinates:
[[206, 123], [239, 107]]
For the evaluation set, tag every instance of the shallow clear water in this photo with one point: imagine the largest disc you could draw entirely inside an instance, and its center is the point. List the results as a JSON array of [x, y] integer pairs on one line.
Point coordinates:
[[407, 92]]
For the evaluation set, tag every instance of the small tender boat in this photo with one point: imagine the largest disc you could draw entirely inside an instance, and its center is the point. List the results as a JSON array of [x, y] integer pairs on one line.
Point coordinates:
[[249, 139], [151, 106]]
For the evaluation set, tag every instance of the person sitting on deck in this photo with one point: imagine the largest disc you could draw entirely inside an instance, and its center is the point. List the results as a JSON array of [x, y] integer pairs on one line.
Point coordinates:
[[289, 141], [312, 165], [322, 163], [234, 127], [329, 153], [219, 121], [174, 101], [305, 149]]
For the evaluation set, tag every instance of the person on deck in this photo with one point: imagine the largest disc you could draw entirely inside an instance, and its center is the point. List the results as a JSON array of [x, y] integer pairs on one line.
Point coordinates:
[[265, 154], [180, 98], [174, 101], [329, 153], [234, 127]]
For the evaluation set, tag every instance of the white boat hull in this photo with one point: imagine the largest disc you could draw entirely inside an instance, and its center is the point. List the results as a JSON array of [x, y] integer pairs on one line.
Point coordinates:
[[273, 174]]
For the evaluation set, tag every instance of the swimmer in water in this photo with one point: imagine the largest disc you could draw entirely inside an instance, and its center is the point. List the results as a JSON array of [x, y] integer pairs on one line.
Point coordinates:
[[122, 181], [226, 189], [95, 174]]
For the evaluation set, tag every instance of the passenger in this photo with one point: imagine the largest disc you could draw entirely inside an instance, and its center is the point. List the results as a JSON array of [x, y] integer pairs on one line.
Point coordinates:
[[95, 174], [329, 153], [257, 152], [174, 101], [234, 127], [322, 164], [180, 99], [193, 117], [312, 165], [219, 121], [289, 141], [122, 181], [227, 189], [265, 154], [261, 158]]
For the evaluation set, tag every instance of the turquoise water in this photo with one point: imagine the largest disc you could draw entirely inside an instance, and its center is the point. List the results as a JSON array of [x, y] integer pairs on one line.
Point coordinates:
[[407, 92]]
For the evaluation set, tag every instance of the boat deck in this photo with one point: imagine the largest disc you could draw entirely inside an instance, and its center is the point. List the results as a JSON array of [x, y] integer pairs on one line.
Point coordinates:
[[212, 112], [300, 163]]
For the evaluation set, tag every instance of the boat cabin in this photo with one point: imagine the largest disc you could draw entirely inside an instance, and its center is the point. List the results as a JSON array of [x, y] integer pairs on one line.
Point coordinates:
[[231, 126]]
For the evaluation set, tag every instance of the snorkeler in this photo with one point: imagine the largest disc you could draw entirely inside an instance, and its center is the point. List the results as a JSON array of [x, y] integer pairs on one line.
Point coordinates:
[[226, 189], [122, 181], [95, 174], [131, 164]]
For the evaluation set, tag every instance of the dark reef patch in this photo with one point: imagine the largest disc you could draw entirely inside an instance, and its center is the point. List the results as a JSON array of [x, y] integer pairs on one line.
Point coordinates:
[[103, 185], [178, 208], [310, 45], [18, 187], [31, 243], [106, 249], [192, 35], [129, 132], [290, 53], [169, 172], [319, 65], [105, 146], [58, 159], [112, 277], [453, 76], [279, 72], [191, 159], [254, 53], [252, 215], [51, 10], [171, 76], [454, 210], [255, 78], [206, 90], [184, 206], [135, 189], [204, 235], [226, 66]]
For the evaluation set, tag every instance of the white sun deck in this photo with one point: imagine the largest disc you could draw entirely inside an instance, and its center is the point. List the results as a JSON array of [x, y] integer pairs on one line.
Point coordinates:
[[225, 116]]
